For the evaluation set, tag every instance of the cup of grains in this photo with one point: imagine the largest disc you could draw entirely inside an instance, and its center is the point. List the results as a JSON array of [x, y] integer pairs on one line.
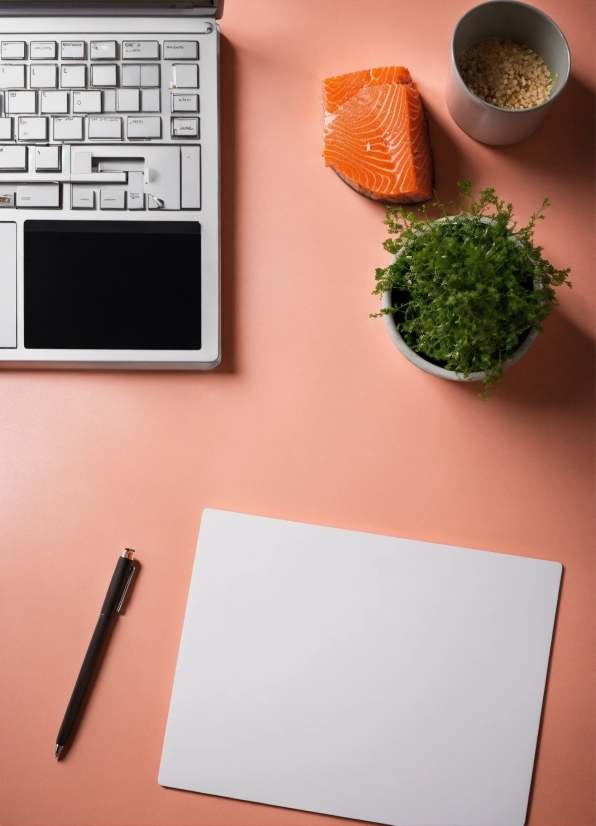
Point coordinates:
[[509, 61]]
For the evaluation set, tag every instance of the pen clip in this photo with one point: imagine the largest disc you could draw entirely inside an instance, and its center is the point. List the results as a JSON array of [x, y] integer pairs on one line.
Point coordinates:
[[130, 575]]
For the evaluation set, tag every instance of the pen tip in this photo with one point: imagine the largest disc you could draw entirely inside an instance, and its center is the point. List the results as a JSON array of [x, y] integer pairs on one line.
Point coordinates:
[[129, 552], [58, 750]]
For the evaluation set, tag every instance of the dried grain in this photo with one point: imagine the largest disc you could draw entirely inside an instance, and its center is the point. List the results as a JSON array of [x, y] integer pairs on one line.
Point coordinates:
[[507, 74]]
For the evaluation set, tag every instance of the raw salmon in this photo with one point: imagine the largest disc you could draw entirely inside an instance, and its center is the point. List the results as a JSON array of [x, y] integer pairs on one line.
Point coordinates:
[[376, 137]]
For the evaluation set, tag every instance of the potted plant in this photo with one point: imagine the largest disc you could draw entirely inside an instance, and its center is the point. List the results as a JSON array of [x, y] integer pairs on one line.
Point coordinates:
[[465, 295]]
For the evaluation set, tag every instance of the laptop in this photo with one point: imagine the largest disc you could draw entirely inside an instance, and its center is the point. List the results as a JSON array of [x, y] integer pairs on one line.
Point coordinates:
[[109, 185]]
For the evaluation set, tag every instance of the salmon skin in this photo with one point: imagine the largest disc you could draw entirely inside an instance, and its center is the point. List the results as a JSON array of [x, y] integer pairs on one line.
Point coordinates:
[[376, 136]]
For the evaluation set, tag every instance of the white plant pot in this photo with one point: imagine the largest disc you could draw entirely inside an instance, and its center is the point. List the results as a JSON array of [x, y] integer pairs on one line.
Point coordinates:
[[433, 369], [427, 366]]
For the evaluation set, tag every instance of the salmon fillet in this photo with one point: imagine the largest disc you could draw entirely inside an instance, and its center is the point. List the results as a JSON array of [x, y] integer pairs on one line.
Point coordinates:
[[376, 137]]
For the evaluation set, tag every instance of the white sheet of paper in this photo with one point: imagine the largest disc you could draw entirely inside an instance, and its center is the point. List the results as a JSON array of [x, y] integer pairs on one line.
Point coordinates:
[[360, 675]]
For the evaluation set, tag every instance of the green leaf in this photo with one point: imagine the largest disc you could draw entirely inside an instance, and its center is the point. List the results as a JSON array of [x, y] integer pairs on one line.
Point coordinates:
[[465, 284]]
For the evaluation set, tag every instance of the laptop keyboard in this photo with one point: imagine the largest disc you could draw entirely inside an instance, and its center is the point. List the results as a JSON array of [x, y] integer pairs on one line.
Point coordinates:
[[98, 90], [73, 110]]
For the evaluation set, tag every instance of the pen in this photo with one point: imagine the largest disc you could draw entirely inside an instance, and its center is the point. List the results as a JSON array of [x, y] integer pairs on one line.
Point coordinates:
[[112, 603]]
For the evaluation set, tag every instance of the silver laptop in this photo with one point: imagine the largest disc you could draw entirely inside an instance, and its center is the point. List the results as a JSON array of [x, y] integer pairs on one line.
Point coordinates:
[[109, 184]]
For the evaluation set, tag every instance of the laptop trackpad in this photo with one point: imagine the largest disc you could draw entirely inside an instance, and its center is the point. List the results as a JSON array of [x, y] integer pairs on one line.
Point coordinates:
[[112, 285]]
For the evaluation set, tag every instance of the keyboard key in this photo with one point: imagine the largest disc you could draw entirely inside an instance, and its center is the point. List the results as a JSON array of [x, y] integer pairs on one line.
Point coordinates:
[[12, 50], [5, 129], [102, 50], [143, 128], [131, 75], [140, 50], [82, 198], [150, 76], [135, 75], [21, 103], [86, 102], [109, 100], [180, 50], [190, 176], [150, 100], [73, 50], [186, 75], [185, 103], [44, 77], [12, 77], [73, 77], [185, 127], [47, 159], [33, 129], [54, 103], [135, 197], [13, 158], [104, 75], [110, 128], [111, 198], [128, 100], [38, 196], [6, 200], [43, 50], [67, 129]]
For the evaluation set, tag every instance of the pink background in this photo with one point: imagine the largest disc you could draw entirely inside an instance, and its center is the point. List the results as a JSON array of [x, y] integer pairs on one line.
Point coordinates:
[[313, 416]]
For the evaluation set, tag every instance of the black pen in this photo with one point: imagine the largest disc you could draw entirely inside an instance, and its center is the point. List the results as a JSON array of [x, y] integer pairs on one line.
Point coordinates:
[[112, 603]]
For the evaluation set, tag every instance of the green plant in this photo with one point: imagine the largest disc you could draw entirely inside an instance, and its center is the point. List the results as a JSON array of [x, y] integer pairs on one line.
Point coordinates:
[[467, 288]]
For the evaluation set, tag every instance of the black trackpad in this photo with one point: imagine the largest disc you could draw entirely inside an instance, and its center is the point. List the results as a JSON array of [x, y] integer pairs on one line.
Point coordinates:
[[113, 285]]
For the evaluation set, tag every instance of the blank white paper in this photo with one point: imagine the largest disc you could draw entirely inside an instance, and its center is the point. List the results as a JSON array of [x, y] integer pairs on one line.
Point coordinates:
[[359, 675]]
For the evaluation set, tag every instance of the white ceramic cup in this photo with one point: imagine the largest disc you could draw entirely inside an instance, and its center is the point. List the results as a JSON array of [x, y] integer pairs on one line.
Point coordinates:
[[508, 20]]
